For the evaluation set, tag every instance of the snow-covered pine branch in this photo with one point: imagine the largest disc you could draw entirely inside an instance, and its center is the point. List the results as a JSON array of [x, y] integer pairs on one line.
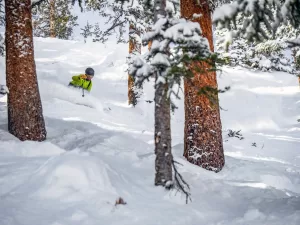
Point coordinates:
[[118, 16], [259, 22], [175, 44], [267, 55]]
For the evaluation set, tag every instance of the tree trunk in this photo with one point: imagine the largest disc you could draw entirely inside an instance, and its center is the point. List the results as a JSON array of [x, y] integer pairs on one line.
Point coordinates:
[[203, 143], [52, 19], [134, 47], [162, 127], [163, 161], [25, 116]]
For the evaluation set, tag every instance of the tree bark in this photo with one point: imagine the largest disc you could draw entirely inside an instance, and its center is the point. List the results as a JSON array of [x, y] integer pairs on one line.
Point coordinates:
[[134, 47], [203, 143], [163, 161], [162, 127], [52, 19], [25, 116]]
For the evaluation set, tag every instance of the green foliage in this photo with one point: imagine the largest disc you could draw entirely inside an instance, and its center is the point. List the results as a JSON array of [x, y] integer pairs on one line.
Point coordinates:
[[212, 94], [93, 5], [269, 47], [64, 21], [87, 31], [236, 134]]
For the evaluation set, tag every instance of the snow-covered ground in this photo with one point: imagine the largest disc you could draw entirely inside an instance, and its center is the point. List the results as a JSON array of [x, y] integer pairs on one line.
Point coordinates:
[[99, 149]]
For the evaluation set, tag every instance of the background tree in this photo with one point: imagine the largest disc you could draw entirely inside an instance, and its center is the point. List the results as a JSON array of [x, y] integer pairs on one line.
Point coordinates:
[[134, 47], [87, 31], [203, 144], [259, 21], [2, 23], [267, 55], [54, 19], [25, 114], [262, 22]]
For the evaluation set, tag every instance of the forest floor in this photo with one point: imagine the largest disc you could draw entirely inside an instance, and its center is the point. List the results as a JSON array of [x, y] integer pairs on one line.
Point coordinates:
[[99, 149]]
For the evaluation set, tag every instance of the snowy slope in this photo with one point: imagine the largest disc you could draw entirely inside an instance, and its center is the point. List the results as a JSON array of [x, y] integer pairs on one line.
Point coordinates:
[[99, 149]]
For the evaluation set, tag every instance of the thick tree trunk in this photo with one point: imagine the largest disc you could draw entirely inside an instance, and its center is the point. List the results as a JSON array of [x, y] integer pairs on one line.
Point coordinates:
[[163, 161], [25, 116], [134, 47], [203, 144], [162, 131], [52, 19]]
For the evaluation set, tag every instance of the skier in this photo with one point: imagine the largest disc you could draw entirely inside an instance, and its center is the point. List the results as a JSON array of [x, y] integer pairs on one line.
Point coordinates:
[[83, 81]]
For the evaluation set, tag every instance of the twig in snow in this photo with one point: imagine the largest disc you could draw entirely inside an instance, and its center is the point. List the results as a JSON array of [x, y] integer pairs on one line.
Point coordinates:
[[180, 183]]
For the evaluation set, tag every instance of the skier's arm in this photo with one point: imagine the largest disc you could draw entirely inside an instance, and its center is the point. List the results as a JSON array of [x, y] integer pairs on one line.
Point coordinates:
[[90, 87], [76, 78]]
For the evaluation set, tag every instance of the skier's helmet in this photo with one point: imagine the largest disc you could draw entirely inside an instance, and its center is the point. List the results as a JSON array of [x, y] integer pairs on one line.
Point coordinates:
[[89, 71]]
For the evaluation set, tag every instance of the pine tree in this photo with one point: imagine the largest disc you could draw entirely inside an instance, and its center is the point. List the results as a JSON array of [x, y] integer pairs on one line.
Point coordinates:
[[87, 31], [54, 19], [96, 33], [25, 114], [203, 144], [176, 43], [266, 55]]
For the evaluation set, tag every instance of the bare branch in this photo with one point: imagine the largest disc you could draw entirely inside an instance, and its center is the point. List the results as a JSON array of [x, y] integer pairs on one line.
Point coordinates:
[[180, 183]]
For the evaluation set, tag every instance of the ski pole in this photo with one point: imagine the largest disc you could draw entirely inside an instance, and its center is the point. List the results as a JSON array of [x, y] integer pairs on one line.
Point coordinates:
[[82, 92]]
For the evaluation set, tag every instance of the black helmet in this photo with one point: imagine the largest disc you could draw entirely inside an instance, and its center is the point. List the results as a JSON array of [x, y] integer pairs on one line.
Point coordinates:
[[89, 71]]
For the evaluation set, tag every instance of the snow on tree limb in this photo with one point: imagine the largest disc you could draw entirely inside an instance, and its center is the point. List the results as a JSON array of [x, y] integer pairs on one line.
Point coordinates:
[[176, 42], [258, 14]]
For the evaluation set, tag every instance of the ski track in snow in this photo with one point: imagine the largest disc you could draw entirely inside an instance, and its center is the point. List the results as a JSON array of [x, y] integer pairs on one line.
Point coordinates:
[[99, 149]]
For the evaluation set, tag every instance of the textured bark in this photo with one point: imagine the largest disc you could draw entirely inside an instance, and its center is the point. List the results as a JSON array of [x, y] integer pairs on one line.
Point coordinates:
[[52, 19], [163, 161], [134, 46], [162, 130], [25, 116], [203, 143], [149, 45]]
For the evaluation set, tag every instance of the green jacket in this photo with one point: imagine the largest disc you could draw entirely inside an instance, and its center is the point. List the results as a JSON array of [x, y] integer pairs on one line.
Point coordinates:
[[79, 82]]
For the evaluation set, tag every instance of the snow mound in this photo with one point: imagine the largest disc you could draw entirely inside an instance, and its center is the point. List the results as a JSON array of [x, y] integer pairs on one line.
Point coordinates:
[[73, 177], [70, 177], [29, 149]]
